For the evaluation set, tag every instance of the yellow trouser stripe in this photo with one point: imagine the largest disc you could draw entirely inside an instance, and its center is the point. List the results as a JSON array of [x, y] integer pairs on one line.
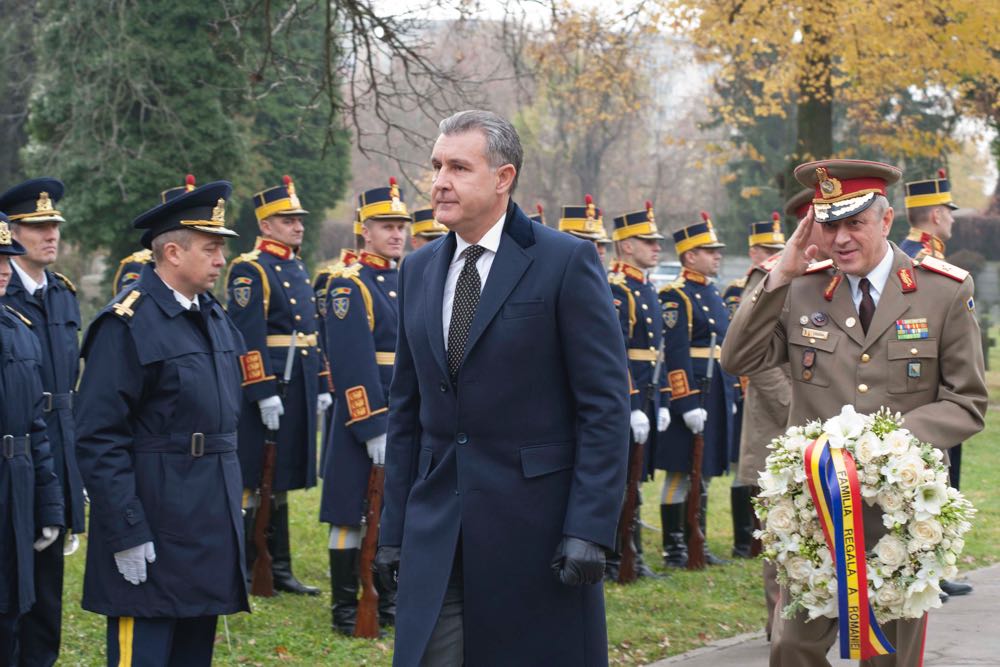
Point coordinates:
[[126, 632], [304, 340], [341, 537], [675, 479]]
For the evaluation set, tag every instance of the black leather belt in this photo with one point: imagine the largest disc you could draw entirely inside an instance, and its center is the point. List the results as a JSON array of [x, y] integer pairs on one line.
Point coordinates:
[[57, 401], [195, 444], [16, 445]]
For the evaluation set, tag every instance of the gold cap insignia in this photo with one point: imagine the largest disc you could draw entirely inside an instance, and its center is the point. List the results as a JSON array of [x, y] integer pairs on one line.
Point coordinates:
[[219, 212], [44, 204], [829, 186], [397, 205], [5, 238]]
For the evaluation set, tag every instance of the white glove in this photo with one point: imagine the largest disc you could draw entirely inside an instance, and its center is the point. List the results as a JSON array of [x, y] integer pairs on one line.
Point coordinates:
[[323, 401], [662, 419], [49, 535], [735, 409], [132, 562], [376, 449], [271, 410], [695, 420], [640, 426]]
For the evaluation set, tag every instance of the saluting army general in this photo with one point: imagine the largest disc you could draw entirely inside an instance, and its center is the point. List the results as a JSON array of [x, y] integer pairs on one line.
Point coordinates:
[[157, 416], [48, 300], [361, 322], [637, 245], [692, 310], [270, 297], [841, 324], [31, 500], [130, 266], [928, 207]]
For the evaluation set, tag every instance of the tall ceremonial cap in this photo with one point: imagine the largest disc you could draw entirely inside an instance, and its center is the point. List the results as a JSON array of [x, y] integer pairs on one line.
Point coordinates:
[[424, 224], [170, 193], [767, 234], [584, 221], [203, 209], [843, 188], [931, 192], [8, 245], [638, 224], [699, 235], [357, 222], [33, 202], [538, 217], [798, 204], [383, 203], [279, 200]]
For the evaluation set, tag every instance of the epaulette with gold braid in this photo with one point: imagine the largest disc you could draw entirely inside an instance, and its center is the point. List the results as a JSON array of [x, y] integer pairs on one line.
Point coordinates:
[[143, 256], [944, 268], [69, 283], [351, 271], [19, 315], [125, 308], [617, 278]]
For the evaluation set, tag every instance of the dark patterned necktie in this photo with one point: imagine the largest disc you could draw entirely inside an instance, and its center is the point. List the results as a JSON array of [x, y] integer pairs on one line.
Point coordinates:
[[866, 309], [463, 307]]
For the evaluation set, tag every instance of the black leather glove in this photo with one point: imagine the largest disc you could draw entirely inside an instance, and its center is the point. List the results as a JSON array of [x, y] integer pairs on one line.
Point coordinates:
[[386, 567], [578, 562]]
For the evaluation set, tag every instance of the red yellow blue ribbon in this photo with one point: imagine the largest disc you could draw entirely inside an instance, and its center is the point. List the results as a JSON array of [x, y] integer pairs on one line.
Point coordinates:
[[836, 493]]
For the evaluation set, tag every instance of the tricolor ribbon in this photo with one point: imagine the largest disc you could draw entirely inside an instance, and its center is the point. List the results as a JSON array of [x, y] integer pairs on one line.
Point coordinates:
[[836, 493]]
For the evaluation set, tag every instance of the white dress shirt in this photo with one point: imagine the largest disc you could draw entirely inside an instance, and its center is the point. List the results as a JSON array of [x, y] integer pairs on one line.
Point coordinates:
[[30, 286], [181, 299], [877, 277], [491, 242]]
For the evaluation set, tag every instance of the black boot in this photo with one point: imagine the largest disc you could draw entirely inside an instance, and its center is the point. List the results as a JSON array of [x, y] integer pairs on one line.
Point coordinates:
[[386, 605], [675, 552], [740, 498], [281, 552], [344, 589], [249, 550], [954, 588], [641, 569], [612, 563], [710, 558]]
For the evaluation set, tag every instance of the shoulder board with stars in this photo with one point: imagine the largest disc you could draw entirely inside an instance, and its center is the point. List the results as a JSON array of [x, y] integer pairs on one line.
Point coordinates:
[[816, 267], [18, 315], [69, 283], [944, 268]]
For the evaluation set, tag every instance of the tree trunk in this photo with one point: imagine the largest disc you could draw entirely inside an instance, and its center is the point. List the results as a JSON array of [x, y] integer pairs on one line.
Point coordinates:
[[814, 119]]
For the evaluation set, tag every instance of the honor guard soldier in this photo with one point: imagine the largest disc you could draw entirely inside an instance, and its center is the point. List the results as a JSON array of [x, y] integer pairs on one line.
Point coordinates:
[[157, 417], [270, 298], [693, 310], [637, 246], [425, 228], [868, 329], [765, 240], [583, 222], [31, 500], [928, 207], [48, 300], [361, 320], [130, 267]]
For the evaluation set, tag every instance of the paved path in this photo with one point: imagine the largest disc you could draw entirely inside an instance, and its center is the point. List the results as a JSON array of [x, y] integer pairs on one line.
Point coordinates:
[[965, 631]]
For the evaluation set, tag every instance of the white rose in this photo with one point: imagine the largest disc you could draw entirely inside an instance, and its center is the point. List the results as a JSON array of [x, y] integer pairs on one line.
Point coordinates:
[[796, 443], [890, 500], [891, 550], [897, 443], [906, 470], [781, 519], [889, 597], [867, 447], [927, 531], [798, 568]]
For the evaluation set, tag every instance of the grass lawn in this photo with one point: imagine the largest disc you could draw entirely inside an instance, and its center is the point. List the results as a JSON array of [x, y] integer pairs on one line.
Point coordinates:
[[646, 621]]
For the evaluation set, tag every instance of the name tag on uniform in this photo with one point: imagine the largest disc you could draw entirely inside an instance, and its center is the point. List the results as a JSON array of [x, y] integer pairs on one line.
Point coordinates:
[[912, 329], [815, 333]]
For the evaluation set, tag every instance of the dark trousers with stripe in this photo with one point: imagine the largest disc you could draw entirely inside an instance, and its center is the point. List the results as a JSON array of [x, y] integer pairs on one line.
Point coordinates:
[[161, 642], [40, 629]]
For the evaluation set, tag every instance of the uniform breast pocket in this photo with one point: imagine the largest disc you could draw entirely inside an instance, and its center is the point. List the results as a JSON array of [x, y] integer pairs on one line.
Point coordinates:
[[516, 310], [812, 359], [913, 365]]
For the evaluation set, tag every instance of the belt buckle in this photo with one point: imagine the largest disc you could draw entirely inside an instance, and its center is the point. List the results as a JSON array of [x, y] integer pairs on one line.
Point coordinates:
[[8, 446], [47, 395], [197, 445]]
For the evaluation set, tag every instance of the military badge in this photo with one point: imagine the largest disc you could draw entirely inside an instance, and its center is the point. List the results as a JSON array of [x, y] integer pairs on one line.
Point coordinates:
[[341, 305], [906, 281], [241, 295], [321, 305], [242, 280], [912, 329], [970, 304], [913, 369], [670, 318], [828, 185], [130, 277]]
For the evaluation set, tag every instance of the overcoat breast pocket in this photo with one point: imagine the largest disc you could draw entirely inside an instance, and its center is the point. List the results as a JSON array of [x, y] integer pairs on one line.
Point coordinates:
[[515, 310], [812, 360], [913, 365]]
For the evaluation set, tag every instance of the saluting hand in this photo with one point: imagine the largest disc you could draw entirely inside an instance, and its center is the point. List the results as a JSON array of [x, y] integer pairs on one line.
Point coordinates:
[[796, 256]]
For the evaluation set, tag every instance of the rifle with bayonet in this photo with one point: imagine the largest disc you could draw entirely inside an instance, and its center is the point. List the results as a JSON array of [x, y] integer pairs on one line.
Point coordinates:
[[696, 538], [261, 577]]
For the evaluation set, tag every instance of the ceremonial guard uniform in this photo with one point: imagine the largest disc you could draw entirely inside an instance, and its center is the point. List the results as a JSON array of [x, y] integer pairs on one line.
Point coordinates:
[[692, 309], [361, 323], [935, 379], [637, 306], [54, 312], [425, 228], [130, 267], [270, 297], [30, 493], [156, 422]]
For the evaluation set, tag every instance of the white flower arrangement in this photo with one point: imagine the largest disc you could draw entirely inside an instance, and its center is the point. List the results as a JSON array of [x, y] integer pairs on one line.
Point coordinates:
[[924, 517]]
